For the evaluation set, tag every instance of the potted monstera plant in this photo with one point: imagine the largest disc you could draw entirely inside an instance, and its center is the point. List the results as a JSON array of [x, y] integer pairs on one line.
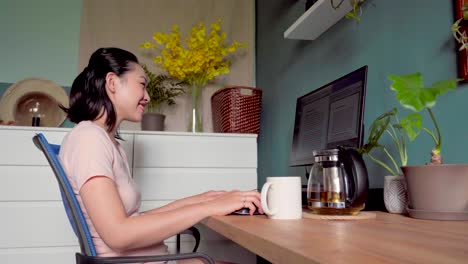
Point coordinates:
[[399, 131], [435, 190], [162, 90]]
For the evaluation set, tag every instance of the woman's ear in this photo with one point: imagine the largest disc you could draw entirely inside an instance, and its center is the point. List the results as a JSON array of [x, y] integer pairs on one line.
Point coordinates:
[[112, 81]]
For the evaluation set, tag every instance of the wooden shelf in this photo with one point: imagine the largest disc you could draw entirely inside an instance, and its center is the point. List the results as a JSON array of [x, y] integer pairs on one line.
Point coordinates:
[[317, 19]]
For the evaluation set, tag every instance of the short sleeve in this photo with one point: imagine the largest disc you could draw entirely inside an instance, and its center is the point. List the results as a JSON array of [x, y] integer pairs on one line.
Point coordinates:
[[87, 152]]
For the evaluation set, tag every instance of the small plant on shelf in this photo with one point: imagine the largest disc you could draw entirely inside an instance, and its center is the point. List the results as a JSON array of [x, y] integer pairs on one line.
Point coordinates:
[[162, 89], [356, 12]]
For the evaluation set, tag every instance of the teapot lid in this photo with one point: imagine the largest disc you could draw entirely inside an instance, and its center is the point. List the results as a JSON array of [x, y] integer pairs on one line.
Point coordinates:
[[325, 155]]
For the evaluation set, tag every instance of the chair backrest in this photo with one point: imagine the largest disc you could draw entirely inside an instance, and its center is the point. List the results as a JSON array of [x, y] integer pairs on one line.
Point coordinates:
[[72, 207]]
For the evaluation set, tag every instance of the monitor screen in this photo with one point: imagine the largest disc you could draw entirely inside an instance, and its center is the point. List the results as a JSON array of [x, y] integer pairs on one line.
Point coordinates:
[[329, 116]]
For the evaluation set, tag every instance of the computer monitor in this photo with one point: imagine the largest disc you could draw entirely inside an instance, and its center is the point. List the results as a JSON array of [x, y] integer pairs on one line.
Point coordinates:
[[329, 116]]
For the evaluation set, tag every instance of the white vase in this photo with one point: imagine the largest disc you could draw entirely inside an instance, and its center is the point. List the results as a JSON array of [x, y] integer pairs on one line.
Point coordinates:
[[395, 194]]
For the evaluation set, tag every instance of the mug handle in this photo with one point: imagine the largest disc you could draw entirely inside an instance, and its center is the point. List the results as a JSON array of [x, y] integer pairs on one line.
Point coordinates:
[[264, 194]]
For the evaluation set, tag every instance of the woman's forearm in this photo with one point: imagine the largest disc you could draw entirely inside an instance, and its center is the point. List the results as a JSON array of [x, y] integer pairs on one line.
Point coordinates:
[[168, 207], [145, 230], [199, 198]]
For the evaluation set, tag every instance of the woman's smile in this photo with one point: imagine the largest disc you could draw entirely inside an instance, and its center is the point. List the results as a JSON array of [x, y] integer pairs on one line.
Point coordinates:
[[142, 106]]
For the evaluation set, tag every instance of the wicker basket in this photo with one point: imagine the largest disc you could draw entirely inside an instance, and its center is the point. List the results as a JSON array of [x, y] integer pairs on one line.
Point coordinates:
[[236, 109]]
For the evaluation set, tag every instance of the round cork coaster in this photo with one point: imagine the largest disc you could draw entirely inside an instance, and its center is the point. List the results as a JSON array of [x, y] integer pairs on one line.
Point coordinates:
[[359, 216]]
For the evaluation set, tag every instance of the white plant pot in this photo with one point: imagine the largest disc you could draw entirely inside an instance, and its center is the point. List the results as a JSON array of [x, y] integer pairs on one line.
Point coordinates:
[[395, 194]]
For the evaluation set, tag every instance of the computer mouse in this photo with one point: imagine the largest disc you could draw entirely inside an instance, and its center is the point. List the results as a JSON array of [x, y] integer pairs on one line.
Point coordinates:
[[244, 211]]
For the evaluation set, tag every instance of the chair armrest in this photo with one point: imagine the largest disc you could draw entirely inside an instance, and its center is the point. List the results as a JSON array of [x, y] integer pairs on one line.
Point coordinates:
[[82, 259], [190, 231]]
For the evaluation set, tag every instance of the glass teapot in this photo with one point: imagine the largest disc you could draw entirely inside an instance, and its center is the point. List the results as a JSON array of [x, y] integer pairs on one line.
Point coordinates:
[[338, 182]]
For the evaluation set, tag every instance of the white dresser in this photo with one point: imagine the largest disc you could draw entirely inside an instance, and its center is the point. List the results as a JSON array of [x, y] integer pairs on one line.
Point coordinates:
[[167, 166]]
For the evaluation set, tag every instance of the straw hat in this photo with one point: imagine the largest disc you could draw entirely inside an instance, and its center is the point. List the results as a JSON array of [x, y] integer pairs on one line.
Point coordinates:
[[34, 97]]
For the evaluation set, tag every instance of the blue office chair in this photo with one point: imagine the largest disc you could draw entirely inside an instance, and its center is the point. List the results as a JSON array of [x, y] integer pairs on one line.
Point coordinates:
[[80, 227]]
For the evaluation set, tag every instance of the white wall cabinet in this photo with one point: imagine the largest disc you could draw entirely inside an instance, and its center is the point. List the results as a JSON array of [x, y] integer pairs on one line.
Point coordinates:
[[166, 165]]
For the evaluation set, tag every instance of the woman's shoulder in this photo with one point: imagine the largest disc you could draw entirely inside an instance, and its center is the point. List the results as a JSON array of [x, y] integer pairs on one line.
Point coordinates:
[[87, 131]]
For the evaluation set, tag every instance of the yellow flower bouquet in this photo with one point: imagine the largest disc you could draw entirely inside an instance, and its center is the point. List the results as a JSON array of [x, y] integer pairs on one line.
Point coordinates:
[[201, 58]]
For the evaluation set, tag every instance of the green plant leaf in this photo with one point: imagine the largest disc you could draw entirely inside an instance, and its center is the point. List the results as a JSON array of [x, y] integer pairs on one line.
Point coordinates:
[[412, 94], [162, 89], [412, 125], [377, 128], [465, 11]]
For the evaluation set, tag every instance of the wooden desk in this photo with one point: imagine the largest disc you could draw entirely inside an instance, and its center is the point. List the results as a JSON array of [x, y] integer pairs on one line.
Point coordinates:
[[389, 238]]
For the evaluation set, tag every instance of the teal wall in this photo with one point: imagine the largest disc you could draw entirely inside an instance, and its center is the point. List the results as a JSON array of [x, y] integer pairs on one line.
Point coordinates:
[[394, 37], [39, 39]]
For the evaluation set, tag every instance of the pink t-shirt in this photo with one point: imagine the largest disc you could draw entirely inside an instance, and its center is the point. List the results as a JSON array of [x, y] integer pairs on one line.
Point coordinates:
[[87, 151]]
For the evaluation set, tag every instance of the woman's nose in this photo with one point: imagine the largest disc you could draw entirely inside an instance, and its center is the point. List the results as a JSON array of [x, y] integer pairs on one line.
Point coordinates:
[[146, 97]]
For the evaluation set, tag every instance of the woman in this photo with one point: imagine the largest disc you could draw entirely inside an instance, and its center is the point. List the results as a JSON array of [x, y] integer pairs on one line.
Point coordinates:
[[111, 89]]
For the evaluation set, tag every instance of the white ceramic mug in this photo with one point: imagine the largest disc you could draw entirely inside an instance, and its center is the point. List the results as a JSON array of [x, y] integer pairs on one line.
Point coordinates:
[[281, 197]]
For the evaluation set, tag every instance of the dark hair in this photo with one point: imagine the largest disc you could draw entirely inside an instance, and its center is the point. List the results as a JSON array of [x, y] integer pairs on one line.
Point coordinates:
[[88, 96]]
